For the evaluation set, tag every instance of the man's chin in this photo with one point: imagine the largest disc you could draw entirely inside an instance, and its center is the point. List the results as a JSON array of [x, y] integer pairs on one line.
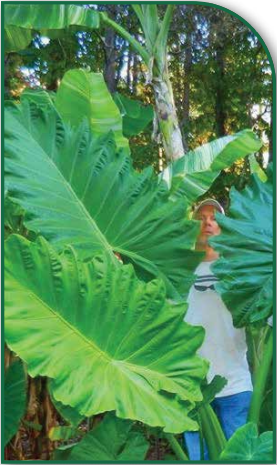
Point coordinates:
[[201, 245]]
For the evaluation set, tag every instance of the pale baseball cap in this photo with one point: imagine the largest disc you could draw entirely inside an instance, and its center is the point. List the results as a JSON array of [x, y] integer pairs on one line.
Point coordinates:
[[214, 203]]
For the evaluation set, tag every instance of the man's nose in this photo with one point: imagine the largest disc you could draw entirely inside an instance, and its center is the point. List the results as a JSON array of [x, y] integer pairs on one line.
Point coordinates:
[[208, 222]]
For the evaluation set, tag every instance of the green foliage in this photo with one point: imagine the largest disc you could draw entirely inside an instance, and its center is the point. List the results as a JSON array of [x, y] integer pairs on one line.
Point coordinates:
[[77, 188], [192, 175], [210, 390], [83, 95], [14, 219], [15, 399], [16, 38], [97, 315], [156, 33], [245, 245], [82, 191], [255, 168], [69, 414], [62, 433], [212, 431], [246, 445], [41, 18], [135, 116], [112, 440]]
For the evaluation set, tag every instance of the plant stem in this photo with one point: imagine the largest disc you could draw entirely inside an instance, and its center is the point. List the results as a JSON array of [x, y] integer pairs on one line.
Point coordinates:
[[125, 34], [167, 116], [177, 449], [260, 380], [212, 432]]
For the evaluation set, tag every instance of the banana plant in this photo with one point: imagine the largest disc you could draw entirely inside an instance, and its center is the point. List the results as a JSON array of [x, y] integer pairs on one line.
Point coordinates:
[[154, 56], [153, 53]]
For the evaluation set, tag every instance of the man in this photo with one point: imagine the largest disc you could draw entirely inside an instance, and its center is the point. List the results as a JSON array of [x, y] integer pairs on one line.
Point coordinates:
[[224, 346]]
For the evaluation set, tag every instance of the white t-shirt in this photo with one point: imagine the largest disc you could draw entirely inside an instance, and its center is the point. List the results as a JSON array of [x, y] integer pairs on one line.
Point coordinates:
[[224, 346]]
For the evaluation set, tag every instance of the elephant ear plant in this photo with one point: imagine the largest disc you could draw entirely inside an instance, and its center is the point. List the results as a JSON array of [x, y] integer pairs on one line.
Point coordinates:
[[246, 266], [20, 20], [66, 291], [96, 315]]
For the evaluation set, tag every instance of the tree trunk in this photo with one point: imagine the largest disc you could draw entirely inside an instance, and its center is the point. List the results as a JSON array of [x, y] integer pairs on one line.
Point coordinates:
[[135, 73], [129, 61], [120, 66], [109, 71], [220, 115]]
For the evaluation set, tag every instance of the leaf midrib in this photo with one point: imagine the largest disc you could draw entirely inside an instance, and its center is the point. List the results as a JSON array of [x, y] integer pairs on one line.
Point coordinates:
[[63, 320], [72, 194]]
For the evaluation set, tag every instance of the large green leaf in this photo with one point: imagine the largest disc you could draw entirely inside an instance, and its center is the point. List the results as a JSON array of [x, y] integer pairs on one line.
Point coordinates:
[[49, 16], [16, 38], [77, 189], [20, 20], [245, 244], [69, 414], [246, 445], [85, 95], [111, 440], [110, 341], [193, 174], [135, 115], [255, 168], [14, 399]]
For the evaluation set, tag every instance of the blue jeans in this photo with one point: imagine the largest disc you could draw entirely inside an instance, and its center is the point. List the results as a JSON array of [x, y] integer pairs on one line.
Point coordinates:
[[232, 413]]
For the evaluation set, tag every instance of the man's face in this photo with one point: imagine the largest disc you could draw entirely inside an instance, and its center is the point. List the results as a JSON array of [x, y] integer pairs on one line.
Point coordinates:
[[209, 226]]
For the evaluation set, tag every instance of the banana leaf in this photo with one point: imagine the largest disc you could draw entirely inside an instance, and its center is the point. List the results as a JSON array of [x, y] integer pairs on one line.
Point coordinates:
[[16, 38], [109, 341], [85, 95], [20, 20], [192, 175], [255, 168], [15, 399], [246, 445], [245, 245], [77, 189], [112, 440], [135, 115]]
